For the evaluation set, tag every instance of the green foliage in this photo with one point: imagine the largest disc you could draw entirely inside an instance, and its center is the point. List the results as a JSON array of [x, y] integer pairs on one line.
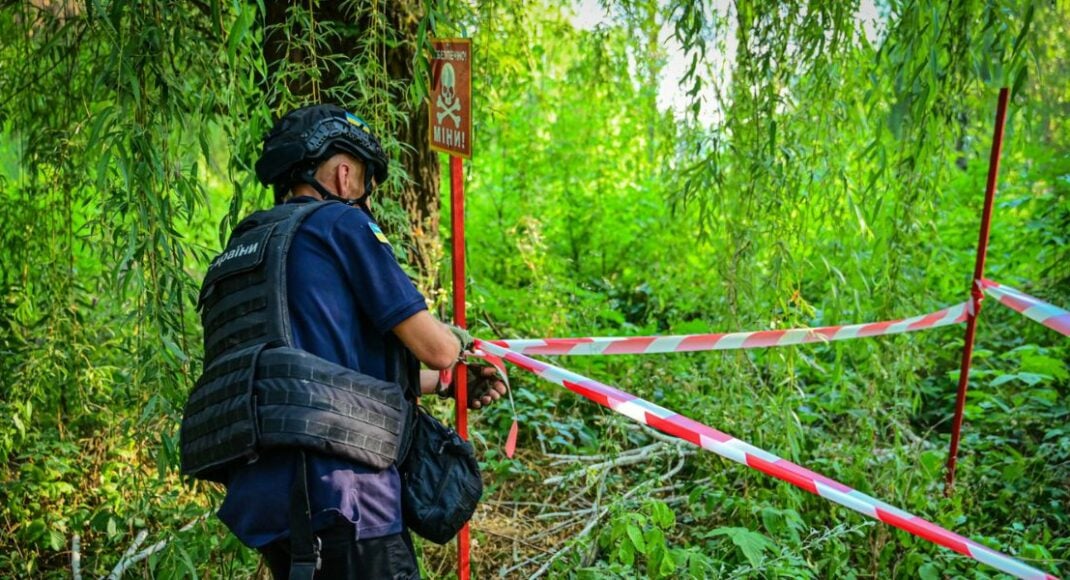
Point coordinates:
[[634, 536], [824, 173], [127, 142], [842, 182]]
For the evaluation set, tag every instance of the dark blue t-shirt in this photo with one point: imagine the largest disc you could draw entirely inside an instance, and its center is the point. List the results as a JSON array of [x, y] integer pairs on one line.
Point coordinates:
[[346, 293]]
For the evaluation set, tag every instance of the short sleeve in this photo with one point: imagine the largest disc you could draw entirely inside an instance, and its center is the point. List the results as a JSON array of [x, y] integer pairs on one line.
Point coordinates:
[[383, 291]]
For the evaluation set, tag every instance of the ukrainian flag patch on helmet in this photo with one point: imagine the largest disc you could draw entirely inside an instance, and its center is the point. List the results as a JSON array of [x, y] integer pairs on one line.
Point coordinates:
[[355, 120], [379, 234]]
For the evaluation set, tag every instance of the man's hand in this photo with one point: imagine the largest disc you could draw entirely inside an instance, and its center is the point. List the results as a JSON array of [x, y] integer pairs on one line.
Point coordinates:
[[484, 386]]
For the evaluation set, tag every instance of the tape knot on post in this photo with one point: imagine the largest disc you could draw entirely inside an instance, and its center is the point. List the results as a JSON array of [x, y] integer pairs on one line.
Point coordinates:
[[977, 295]]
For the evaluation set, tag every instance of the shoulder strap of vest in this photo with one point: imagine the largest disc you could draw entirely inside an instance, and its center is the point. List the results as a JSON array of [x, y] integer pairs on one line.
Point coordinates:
[[295, 217], [279, 213], [252, 267]]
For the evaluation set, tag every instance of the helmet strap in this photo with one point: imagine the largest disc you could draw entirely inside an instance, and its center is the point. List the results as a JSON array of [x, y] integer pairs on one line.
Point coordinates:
[[362, 201], [309, 176]]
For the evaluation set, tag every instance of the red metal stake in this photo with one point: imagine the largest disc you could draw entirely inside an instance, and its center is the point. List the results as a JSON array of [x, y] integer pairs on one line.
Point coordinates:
[[460, 318], [975, 291]]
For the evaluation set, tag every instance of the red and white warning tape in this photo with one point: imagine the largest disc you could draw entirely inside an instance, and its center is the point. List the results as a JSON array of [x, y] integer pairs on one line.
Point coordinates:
[[734, 340], [1049, 315], [741, 452]]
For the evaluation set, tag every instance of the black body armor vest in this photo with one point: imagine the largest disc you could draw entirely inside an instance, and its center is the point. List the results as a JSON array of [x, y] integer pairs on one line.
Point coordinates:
[[258, 392]]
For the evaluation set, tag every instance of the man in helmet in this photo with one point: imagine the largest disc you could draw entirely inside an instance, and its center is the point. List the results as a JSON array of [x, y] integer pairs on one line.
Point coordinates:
[[351, 304]]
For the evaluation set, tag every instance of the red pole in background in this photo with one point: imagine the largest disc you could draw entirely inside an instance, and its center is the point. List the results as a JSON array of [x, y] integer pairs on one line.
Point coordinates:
[[460, 318], [975, 291]]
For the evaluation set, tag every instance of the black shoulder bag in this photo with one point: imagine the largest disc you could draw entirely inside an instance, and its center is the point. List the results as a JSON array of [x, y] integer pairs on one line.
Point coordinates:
[[440, 481]]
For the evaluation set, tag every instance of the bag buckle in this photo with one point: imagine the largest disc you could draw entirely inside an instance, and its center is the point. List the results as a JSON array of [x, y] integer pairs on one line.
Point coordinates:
[[316, 552], [304, 566]]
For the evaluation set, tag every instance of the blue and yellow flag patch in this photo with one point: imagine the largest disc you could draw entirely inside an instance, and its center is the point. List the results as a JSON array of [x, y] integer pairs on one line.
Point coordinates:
[[355, 120], [379, 234]]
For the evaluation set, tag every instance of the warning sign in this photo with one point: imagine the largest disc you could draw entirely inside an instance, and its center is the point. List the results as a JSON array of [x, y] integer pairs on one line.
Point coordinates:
[[451, 96]]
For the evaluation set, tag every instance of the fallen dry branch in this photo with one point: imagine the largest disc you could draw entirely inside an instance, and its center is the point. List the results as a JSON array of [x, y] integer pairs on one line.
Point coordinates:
[[76, 556], [130, 557]]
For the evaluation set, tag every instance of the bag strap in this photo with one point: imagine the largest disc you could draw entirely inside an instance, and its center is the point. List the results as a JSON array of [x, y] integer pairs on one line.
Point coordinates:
[[304, 548]]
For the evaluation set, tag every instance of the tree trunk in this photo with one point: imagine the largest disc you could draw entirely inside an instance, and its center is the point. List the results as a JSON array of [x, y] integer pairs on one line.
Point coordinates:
[[420, 196], [419, 192]]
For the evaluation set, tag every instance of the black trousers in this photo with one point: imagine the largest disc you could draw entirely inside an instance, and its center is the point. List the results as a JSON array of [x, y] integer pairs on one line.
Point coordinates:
[[388, 557]]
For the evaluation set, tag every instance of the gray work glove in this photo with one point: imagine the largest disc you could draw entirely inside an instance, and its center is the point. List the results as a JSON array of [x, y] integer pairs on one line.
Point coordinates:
[[463, 336]]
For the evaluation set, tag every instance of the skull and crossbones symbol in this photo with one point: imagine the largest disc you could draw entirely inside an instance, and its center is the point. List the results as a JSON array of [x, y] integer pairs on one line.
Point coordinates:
[[448, 100]]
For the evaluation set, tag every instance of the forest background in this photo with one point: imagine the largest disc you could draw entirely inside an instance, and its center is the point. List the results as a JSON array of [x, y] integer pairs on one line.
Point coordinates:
[[821, 170]]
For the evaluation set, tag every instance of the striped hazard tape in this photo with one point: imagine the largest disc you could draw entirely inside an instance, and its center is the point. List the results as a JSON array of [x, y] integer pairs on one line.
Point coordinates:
[[734, 340], [1049, 315], [741, 452]]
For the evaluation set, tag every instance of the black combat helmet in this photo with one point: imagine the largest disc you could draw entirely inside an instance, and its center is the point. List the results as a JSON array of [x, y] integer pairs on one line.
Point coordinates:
[[305, 137]]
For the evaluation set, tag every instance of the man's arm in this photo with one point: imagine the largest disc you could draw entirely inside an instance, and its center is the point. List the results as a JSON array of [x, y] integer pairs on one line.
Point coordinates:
[[439, 348], [428, 382], [431, 341]]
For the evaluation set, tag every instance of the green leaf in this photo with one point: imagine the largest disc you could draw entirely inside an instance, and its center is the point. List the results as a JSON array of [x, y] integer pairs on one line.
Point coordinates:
[[185, 557], [239, 28], [661, 515], [932, 461], [1013, 471], [655, 541], [636, 536], [612, 316], [771, 519], [696, 326], [626, 553], [36, 529], [1045, 365], [1019, 80], [1027, 21], [928, 571], [667, 565], [175, 349], [696, 566], [56, 540], [1030, 379], [752, 544]]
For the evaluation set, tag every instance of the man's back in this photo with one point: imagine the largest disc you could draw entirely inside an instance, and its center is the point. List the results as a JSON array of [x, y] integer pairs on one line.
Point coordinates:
[[346, 293]]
